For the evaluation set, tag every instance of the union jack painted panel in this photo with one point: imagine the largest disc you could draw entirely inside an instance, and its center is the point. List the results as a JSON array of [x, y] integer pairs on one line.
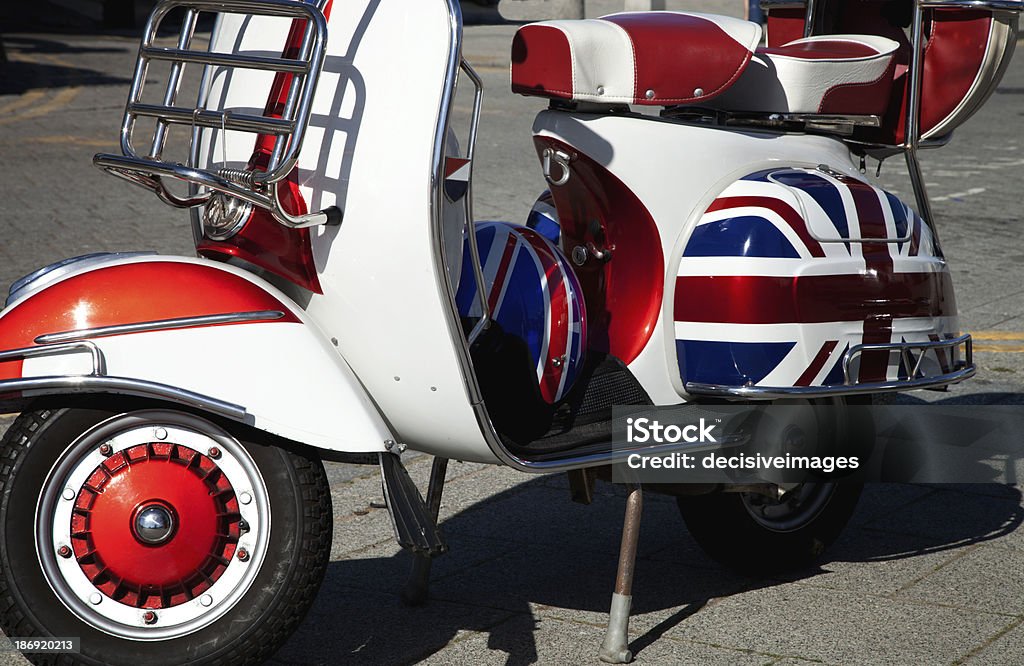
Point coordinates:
[[791, 267], [532, 293]]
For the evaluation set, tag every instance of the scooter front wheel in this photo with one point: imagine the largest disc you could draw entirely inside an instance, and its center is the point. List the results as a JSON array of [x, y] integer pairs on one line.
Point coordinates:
[[156, 536]]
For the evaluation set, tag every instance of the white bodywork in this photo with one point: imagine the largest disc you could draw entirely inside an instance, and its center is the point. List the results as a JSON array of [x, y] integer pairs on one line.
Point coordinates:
[[286, 376], [370, 150]]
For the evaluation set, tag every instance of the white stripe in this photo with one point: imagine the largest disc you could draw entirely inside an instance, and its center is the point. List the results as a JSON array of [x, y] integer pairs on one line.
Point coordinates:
[[602, 59]]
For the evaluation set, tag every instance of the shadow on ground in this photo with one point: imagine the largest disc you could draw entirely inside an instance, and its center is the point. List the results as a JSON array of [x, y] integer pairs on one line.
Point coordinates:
[[34, 63], [529, 548]]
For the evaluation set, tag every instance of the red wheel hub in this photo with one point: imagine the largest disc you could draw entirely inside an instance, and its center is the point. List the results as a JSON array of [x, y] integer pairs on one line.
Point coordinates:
[[155, 525]]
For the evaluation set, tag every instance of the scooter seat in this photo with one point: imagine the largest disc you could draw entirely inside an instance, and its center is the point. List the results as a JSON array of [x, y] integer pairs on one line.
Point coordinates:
[[653, 58], [671, 58], [827, 74]]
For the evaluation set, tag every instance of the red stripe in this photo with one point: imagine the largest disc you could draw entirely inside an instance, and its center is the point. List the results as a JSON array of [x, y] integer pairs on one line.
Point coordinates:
[[748, 299], [780, 208], [817, 363], [499, 277], [874, 365], [558, 332]]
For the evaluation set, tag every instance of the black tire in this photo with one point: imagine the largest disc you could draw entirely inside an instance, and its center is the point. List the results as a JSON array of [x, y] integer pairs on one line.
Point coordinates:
[[271, 605], [726, 527]]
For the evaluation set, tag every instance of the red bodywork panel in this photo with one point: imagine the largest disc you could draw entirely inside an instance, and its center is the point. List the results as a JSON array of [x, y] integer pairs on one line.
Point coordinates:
[[623, 296], [130, 294]]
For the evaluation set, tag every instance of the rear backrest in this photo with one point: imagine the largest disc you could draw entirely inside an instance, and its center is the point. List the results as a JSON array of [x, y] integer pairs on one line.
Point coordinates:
[[966, 53]]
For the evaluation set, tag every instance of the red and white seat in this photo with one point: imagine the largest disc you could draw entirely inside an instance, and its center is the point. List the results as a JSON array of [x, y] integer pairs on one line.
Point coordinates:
[[655, 58], [669, 58]]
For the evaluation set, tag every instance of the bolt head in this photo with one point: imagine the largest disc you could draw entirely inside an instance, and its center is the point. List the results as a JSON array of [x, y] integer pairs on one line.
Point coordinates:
[[149, 617], [214, 452], [649, 94], [64, 551], [243, 555], [106, 449]]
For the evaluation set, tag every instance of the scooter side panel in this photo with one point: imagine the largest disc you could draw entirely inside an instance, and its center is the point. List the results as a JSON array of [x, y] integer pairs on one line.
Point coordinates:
[[276, 365], [789, 268], [680, 173]]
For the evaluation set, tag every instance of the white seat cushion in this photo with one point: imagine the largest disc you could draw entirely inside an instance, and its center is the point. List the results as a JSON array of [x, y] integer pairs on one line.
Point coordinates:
[[830, 74]]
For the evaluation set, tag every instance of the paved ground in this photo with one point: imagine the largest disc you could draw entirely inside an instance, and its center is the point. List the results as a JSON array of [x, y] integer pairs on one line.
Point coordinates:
[[924, 574]]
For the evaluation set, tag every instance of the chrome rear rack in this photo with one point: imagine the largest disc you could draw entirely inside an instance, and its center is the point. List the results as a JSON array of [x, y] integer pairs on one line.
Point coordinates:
[[954, 368], [255, 186]]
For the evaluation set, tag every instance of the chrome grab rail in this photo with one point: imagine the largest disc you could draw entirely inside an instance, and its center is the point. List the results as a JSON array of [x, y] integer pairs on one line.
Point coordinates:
[[954, 371], [97, 381], [99, 364], [253, 186]]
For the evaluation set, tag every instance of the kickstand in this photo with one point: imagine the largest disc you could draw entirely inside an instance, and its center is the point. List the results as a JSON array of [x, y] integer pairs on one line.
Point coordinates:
[[615, 649], [416, 588]]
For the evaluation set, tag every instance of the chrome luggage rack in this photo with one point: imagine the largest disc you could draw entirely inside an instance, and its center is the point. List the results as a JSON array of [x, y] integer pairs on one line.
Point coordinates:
[[254, 187], [947, 354]]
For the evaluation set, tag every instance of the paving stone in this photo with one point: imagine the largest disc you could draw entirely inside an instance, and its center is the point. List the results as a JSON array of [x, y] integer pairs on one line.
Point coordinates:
[[1006, 650], [525, 639], [984, 578], [838, 626]]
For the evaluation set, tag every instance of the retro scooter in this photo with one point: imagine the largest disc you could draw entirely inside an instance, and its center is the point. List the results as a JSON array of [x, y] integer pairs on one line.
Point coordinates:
[[163, 492]]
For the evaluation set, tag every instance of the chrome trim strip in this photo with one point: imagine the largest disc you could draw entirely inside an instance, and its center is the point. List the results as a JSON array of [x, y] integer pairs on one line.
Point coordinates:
[[995, 5], [470, 228], [124, 386], [161, 325]]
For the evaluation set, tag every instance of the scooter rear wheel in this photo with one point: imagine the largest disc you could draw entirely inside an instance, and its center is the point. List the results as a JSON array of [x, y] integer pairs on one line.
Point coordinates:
[[156, 537], [754, 534]]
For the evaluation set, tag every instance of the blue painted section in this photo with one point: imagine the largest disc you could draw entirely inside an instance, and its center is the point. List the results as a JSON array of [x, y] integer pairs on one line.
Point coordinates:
[[746, 236], [729, 363], [824, 194]]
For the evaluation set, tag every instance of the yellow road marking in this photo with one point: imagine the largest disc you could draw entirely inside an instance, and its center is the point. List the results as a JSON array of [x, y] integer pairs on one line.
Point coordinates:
[[75, 140], [998, 335], [27, 98], [999, 348], [63, 97]]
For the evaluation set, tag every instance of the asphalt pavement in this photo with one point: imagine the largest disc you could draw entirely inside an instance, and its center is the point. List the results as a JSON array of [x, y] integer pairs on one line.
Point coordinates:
[[923, 575]]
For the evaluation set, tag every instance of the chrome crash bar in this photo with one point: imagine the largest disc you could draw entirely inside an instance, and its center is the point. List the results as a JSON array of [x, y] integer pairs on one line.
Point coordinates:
[[946, 352], [97, 381], [256, 187]]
